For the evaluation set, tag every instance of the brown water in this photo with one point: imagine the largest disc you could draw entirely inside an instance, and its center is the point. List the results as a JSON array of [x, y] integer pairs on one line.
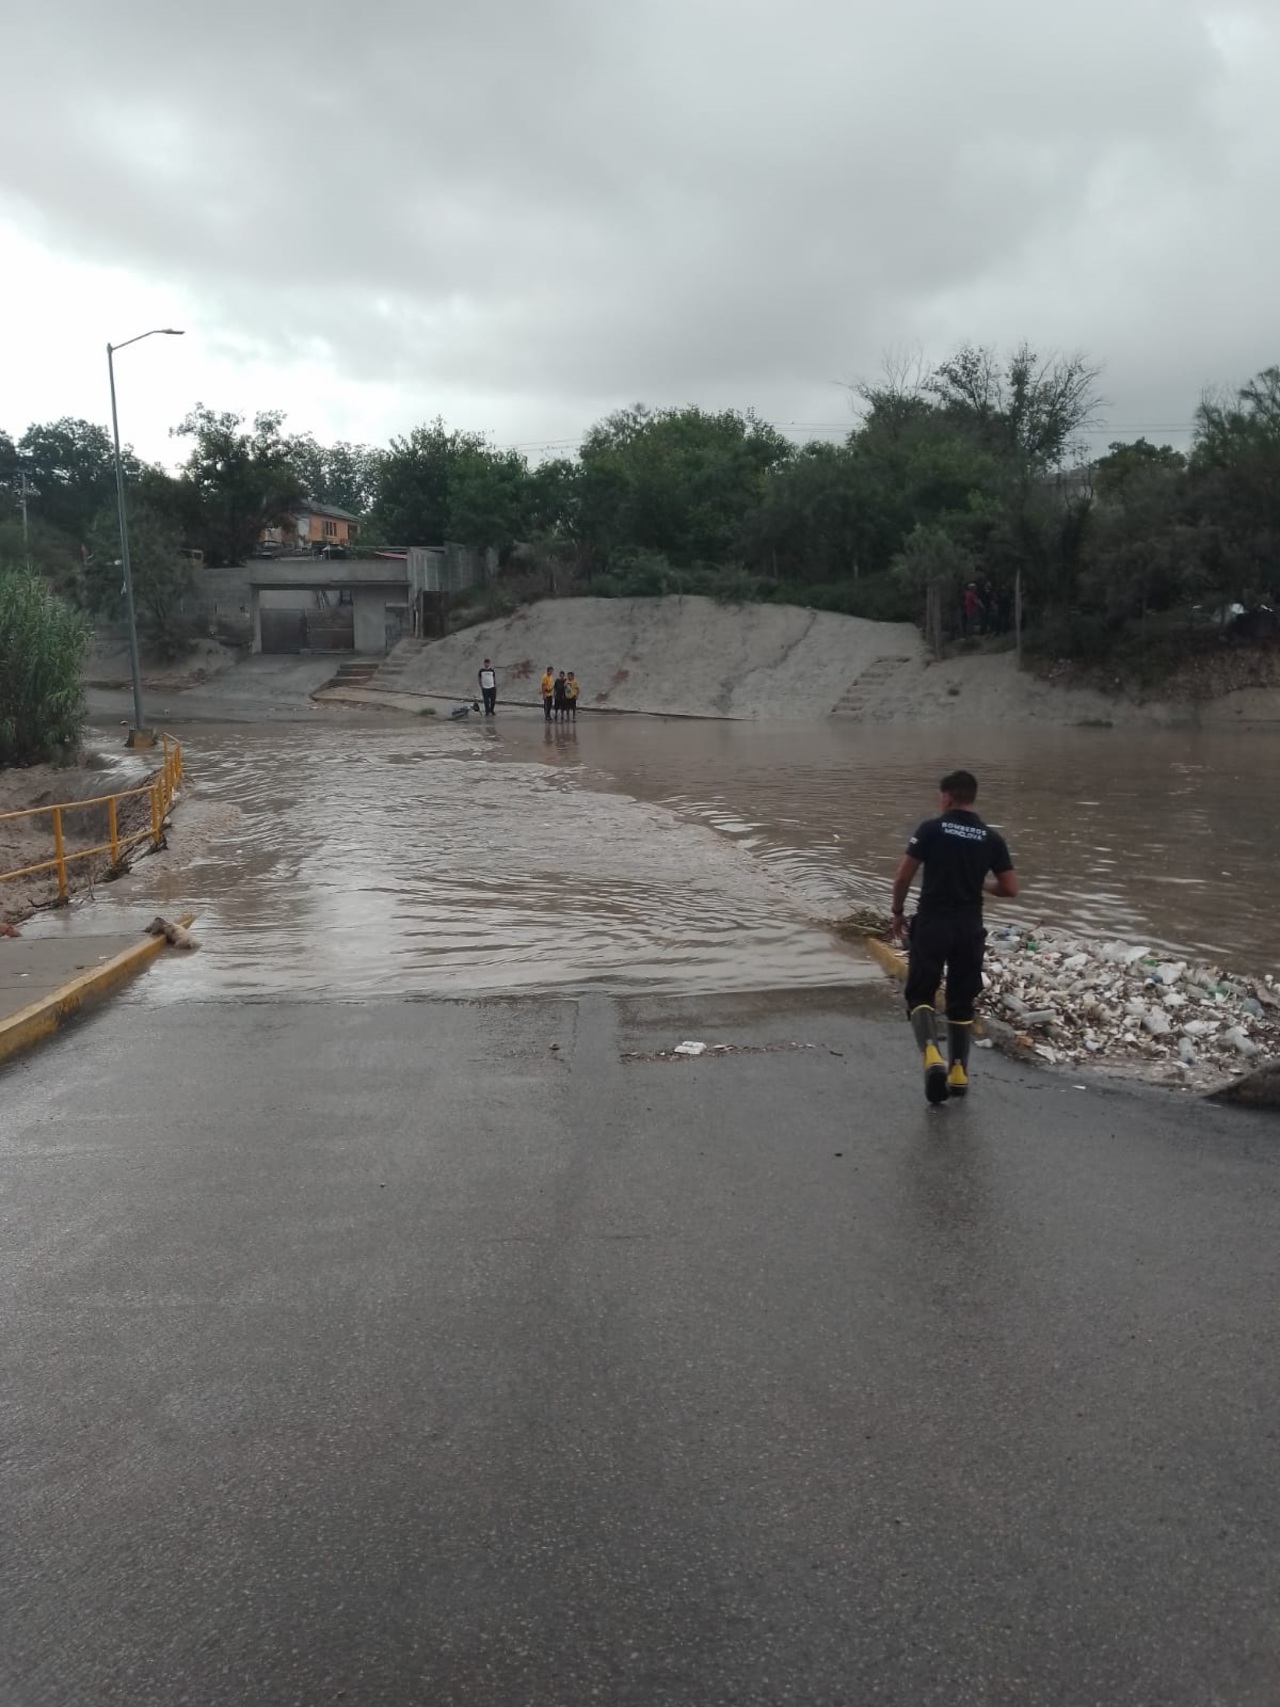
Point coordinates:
[[367, 857]]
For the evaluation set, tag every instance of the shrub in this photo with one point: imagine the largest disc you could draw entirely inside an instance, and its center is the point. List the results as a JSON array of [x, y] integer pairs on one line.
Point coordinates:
[[42, 645]]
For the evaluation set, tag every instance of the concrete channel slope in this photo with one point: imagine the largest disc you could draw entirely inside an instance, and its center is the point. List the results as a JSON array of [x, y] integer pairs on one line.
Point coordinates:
[[484, 1353], [696, 657]]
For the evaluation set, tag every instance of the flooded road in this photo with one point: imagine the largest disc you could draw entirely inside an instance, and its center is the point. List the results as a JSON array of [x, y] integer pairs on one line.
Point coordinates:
[[369, 856], [1166, 836]]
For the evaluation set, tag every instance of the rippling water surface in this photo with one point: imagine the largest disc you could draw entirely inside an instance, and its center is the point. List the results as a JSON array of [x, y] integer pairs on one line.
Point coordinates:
[[370, 858], [362, 857]]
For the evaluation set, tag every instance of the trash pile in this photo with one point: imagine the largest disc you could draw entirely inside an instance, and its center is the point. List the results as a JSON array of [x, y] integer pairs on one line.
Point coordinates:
[[1122, 1005]]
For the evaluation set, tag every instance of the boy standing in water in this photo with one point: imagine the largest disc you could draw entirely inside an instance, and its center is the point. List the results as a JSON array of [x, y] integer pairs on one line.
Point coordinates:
[[961, 857], [548, 691], [571, 697], [558, 701]]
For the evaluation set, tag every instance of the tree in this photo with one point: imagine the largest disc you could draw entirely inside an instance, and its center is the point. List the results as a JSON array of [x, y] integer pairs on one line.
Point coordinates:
[[1028, 411], [1235, 486], [342, 474], [241, 482], [162, 575], [1128, 468], [436, 485], [936, 566], [412, 506], [552, 501], [680, 482], [488, 498], [71, 464], [43, 641]]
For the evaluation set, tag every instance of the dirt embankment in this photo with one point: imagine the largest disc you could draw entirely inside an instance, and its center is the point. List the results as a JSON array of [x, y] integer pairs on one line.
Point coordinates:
[[698, 658], [29, 841]]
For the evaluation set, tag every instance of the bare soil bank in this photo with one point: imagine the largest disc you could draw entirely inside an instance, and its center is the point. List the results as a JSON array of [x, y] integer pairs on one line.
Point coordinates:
[[29, 841], [694, 657]]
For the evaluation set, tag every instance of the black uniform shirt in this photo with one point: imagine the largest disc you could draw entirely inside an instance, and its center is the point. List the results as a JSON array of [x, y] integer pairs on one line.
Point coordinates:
[[957, 851]]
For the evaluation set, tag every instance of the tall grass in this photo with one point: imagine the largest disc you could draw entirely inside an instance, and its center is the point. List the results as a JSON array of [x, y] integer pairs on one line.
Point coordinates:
[[42, 645]]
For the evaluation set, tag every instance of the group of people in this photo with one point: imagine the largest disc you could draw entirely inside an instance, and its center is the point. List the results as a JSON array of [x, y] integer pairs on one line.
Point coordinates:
[[559, 696], [559, 693], [985, 609]]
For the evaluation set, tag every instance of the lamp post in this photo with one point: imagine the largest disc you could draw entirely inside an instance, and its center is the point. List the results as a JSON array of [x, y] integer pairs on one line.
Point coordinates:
[[139, 735]]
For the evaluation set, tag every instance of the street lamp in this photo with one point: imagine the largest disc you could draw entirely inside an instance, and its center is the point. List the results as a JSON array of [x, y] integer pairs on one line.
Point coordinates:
[[139, 735]]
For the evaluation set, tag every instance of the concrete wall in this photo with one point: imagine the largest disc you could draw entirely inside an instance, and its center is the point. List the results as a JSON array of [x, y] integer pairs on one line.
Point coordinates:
[[374, 608], [331, 572]]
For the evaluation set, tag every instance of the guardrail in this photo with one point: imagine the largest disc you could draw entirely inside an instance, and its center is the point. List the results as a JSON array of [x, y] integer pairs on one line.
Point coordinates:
[[154, 796]]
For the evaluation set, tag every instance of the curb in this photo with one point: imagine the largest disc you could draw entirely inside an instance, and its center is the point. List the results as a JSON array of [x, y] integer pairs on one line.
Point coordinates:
[[31, 1025], [985, 1025]]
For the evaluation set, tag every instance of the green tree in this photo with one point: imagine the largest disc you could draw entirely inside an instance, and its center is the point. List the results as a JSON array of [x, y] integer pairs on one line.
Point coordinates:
[[1235, 487], [240, 482], [552, 501], [342, 474], [680, 482], [43, 641], [162, 576], [71, 464], [934, 566], [488, 498], [1028, 411], [414, 480], [1130, 468]]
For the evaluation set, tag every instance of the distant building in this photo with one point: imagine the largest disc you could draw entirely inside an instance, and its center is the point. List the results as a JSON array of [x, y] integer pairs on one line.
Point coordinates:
[[312, 528], [355, 605]]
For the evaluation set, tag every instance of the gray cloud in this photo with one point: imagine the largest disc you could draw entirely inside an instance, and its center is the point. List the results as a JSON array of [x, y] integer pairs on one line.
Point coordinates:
[[566, 204]]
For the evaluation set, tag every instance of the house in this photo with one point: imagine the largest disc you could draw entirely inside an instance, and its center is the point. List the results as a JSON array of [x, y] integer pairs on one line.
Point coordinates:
[[312, 528]]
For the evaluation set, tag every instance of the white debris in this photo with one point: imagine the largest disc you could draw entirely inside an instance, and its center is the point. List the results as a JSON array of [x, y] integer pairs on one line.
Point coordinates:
[[1124, 1006], [689, 1049]]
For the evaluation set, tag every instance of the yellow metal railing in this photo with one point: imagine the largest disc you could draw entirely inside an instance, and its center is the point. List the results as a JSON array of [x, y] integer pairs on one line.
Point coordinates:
[[153, 798]]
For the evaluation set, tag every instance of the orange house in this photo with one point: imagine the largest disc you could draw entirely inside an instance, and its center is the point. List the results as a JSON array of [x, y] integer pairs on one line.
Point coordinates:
[[312, 527]]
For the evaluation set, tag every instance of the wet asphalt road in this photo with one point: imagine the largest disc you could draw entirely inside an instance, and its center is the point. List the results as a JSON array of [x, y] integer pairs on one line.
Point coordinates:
[[382, 1353]]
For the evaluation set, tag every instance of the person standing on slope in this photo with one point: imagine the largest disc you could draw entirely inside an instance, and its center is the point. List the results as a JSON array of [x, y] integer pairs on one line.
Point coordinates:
[[961, 857], [488, 687]]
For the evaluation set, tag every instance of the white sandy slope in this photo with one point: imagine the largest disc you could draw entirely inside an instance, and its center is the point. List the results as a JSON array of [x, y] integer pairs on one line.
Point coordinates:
[[698, 658]]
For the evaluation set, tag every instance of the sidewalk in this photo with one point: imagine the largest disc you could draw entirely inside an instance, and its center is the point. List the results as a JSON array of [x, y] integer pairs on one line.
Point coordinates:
[[46, 980]]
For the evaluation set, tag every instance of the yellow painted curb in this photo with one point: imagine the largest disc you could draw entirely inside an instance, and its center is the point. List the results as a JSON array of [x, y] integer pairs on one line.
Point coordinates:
[[894, 964], [32, 1024]]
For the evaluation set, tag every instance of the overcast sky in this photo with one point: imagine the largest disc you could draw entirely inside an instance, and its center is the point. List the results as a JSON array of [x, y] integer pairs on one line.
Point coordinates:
[[520, 214]]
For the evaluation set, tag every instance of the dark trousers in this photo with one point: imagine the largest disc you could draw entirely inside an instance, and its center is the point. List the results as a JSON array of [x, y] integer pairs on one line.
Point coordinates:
[[953, 943], [490, 700], [547, 703]]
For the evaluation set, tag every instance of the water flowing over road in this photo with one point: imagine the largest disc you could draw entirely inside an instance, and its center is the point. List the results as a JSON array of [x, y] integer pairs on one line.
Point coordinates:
[[366, 857]]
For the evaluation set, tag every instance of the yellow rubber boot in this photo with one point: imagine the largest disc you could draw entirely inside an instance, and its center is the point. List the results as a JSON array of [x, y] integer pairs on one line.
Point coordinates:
[[959, 1036], [924, 1023]]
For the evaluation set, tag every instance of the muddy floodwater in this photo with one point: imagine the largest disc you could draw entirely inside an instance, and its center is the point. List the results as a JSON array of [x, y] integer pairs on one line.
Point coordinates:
[[369, 856]]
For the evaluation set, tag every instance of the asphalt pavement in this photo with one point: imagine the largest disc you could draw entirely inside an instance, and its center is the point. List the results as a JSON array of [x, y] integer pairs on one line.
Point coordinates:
[[401, 1352]]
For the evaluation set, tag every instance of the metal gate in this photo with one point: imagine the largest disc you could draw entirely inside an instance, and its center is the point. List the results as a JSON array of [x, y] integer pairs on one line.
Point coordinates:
[[284, 631], [332, 630]]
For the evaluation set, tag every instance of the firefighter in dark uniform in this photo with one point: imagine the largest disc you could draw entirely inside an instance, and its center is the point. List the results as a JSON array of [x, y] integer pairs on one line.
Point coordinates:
[[961, 857]]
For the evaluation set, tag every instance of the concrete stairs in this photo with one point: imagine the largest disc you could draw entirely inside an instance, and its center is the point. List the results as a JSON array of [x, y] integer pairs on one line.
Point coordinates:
[[391, 670], [854, 700], [354, 673]]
